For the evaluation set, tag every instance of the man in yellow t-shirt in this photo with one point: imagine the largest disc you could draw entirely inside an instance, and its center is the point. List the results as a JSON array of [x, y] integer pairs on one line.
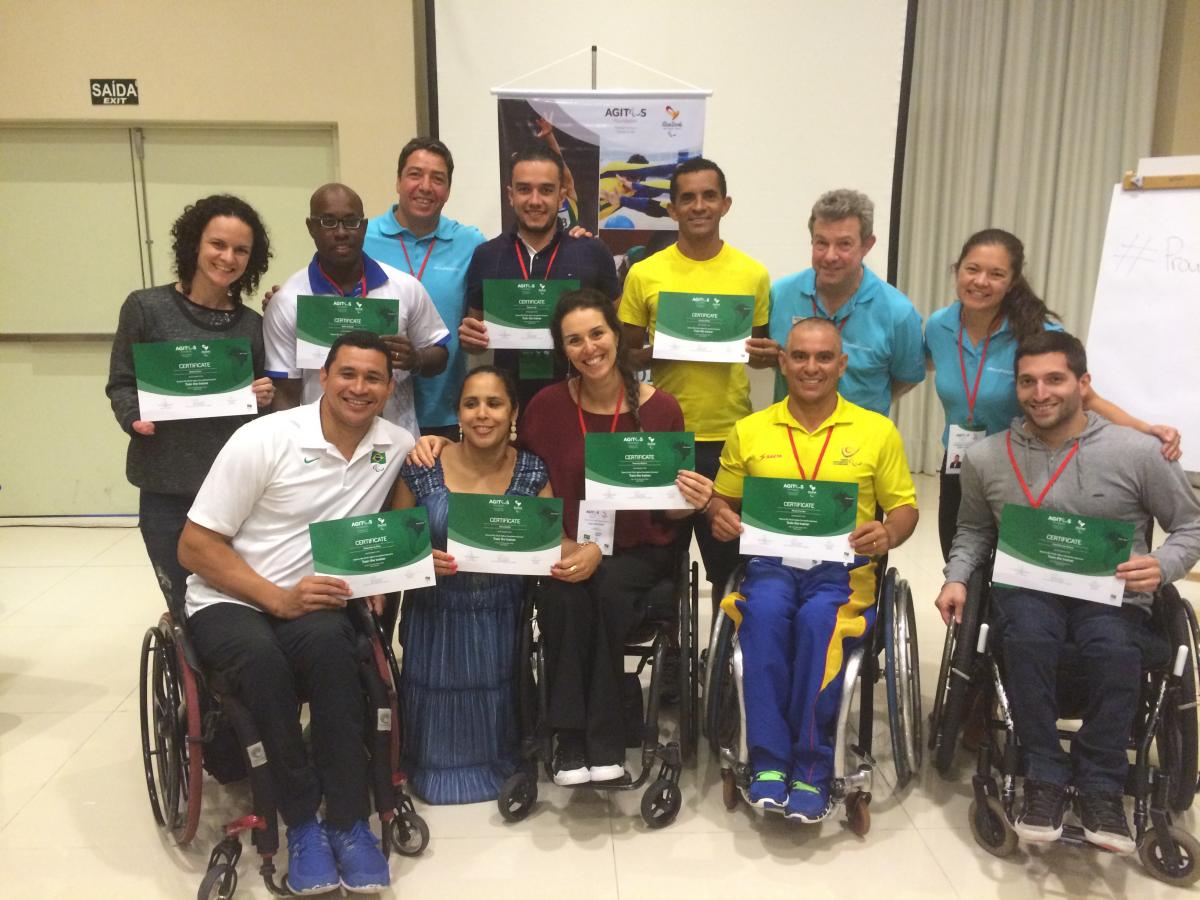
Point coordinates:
[[797, 625], [712, 395]]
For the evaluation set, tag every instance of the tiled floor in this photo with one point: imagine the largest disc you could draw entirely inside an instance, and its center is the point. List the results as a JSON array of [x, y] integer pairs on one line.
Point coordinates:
[[74, 819]]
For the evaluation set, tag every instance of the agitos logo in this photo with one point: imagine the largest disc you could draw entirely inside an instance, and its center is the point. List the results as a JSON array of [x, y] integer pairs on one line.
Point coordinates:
[[625, 112]]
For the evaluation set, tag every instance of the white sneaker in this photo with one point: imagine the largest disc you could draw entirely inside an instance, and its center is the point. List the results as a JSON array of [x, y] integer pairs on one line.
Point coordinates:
[[570, 766], [568, 777], [606, 773]]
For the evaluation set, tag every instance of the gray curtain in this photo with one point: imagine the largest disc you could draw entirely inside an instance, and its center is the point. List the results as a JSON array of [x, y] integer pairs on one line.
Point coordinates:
[[1023, 115]]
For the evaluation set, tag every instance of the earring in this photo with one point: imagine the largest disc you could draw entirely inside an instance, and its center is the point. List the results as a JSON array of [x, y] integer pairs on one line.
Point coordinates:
[[460, 435], [512, 431]]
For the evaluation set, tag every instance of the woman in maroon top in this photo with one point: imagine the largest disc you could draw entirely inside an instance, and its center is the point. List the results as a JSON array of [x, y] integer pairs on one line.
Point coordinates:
[[593, 602]]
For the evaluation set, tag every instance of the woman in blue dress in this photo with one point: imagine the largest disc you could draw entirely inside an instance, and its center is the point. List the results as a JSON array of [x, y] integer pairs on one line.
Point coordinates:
[[971, 344], [456, 685]]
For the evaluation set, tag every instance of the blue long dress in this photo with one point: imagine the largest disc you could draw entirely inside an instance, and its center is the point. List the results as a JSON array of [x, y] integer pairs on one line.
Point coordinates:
[[459, 640]]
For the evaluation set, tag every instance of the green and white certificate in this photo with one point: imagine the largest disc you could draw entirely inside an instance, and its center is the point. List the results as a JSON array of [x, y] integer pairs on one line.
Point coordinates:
[[518, 312], [322, 320], [505, 535], [703, 327], [376, 554], [1062, 553], [194, 379], [637, 469], [798, 519]]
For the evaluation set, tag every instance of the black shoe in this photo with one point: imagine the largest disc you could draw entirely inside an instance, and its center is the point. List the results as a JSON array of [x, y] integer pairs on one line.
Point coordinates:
[[570, 761], [1104, 822], [1041, 816]]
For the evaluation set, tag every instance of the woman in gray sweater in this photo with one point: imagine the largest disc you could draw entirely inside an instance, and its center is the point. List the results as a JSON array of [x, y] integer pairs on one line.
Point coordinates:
[[221, 251]]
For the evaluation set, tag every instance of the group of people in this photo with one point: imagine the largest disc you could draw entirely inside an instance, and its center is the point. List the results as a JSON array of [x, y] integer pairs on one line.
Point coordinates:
[[225, 502]]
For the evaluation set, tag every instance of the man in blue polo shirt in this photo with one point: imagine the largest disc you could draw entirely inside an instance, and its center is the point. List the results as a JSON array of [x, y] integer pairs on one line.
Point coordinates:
[[340, 268], [537, 249], [414, 237], [880, 328]]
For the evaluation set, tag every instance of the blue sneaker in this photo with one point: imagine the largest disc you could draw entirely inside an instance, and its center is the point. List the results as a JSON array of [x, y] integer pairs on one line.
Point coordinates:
[[311, 867], [808, 803], [768, 791], [363, 867]]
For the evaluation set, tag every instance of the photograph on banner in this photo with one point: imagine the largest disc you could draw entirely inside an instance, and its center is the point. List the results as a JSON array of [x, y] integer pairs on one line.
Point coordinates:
[[619, 152]]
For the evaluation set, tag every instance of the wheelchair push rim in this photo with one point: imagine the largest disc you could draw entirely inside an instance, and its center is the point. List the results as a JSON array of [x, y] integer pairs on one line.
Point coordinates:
[[903, 677]]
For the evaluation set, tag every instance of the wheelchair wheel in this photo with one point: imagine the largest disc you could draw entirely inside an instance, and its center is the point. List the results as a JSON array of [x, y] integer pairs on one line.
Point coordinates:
[[903, 678], [1184, 871], [688, 686], [220, 883], [720, 699], [858, 813], [408, 833], [661, 803], [1178, 741], [960, 677], [517, 796], [169, 709], [990, 828]]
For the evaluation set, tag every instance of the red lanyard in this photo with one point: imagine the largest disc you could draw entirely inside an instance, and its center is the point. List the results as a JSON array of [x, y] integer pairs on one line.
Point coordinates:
[[334, 285], [818, 314], [820, 457], [579, 409], [972, 394], [521, 261], [1053, 478], [417, 274]]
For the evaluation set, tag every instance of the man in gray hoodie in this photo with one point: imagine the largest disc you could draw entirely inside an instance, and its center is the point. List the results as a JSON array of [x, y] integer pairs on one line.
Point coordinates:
[[1071, 461]]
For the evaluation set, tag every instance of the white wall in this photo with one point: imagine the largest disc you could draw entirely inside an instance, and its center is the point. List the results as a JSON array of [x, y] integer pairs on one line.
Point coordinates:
[[805, 97]]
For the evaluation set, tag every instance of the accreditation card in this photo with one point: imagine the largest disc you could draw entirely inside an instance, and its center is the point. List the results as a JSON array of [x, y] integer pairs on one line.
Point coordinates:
[[798, 519], [703, 327], [1062, 553], [505, 535], [517, 312], [375, 554], [637, 469], [959, 440], [321, 320], [194, 379]]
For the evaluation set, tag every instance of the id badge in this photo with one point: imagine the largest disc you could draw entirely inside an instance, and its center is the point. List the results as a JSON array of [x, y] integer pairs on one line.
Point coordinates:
[[958, 442], [535, 365], [596, 524]]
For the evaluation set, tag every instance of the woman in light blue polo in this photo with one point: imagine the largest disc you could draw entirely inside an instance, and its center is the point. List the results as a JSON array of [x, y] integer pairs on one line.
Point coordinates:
[[971, 344]]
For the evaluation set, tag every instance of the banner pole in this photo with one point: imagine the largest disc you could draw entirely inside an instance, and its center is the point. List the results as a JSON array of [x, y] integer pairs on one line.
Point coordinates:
[[593, 67]]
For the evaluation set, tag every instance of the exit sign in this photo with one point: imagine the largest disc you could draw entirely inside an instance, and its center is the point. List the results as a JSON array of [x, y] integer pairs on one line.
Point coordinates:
[[114, 92]]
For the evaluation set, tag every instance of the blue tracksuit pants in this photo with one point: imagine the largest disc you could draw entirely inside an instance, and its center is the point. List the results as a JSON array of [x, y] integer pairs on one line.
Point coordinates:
[[797, 627]]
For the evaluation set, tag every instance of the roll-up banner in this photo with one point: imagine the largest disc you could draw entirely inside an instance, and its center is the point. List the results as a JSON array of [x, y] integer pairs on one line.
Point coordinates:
[[619, 149]]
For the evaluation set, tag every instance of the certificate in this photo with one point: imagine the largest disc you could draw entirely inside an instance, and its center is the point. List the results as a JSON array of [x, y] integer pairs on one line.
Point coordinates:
[[637, 469], [505, 535], [1062, 553], [194, 379], [798, 519], [375, 554], [322, 320], [703, 327], [518, 312]]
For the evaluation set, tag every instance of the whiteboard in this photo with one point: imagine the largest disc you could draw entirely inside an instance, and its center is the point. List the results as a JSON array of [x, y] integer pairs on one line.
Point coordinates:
[[1145, 329], [806, 97]]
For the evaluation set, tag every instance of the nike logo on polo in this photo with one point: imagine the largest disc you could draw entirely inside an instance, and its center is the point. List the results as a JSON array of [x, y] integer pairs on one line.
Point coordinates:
[[313, 460]]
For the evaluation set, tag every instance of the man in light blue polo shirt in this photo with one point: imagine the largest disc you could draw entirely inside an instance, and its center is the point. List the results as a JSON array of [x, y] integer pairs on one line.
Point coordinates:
[[880, 328], [416, 238]]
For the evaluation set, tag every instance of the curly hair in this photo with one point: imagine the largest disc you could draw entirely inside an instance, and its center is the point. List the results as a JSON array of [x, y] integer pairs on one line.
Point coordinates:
[[189, 227], [1026, 311], [589, 298]]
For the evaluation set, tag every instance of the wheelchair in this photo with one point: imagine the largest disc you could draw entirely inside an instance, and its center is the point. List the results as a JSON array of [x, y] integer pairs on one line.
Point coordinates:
[[970, 697], [191, 722], [666, 642], [894, 638]]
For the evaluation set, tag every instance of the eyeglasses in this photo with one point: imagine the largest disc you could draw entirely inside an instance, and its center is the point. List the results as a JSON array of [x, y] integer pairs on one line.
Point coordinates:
[[350, 223]]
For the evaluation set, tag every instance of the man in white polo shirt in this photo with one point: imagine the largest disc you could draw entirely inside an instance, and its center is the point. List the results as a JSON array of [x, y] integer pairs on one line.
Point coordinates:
[[257, 613], [339, 268]]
